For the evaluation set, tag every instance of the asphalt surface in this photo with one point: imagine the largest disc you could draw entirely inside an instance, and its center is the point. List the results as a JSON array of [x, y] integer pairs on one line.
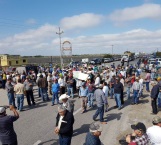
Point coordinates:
[[36, 124]]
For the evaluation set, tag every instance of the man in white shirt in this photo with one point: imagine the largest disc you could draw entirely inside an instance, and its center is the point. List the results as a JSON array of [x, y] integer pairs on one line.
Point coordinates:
[[154, 132], [97, 81]]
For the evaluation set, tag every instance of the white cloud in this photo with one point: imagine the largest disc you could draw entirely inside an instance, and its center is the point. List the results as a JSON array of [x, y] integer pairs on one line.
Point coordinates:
[[81, 21], [31, 21], [44, 41], [152, 11]]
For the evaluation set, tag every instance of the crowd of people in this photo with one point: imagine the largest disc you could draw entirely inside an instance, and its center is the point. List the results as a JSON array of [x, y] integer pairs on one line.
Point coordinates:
[[60, 87]]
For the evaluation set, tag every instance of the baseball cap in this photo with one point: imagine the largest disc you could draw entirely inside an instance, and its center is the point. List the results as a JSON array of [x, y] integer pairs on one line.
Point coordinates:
[[95, 127], [137, 78], [156, 119], [139, 126], [159, 78], [2, 110]]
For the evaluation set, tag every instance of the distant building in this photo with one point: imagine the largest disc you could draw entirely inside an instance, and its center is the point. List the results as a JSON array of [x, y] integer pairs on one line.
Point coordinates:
[[12, 60]]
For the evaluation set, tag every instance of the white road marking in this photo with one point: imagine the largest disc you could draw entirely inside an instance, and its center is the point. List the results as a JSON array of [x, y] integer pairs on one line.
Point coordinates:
[[37, 143], [77, 111]]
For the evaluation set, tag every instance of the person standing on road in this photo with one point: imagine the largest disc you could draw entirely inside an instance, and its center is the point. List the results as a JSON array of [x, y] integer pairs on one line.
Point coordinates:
[[28, 84], [101, 101], [19, 90], [42, 84], [91, 89], [83, 93], [64, 125], [154, 132], [147, 80], [70, 85], [106, 91], [10, 92], [112, 82], [4, 78], [49, 80], [62, 84], [92, 137], [128, 83], [55, 91], [154, 96], [136, 87], [118, 88], [7, 133]]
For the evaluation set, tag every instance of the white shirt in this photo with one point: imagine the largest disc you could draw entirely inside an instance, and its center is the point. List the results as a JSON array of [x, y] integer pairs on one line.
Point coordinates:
[[105, 90], [97, 81], [122, 81], [60, 121], [61, 82], [154, 134]]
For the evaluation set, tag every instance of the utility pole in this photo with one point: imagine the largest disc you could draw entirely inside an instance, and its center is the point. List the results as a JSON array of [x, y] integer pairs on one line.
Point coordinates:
[[61, 59], [112, 50]]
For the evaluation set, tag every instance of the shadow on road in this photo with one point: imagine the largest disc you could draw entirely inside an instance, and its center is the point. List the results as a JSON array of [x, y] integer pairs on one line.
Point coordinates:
[[56, 142], [113, 116], [83, 129]]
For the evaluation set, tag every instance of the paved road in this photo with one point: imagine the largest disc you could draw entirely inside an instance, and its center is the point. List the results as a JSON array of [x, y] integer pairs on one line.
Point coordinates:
[[37, 123]]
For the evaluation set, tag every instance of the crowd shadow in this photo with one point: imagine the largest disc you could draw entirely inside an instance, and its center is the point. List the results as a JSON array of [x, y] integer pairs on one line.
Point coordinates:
[[83, 129], [113, 116]]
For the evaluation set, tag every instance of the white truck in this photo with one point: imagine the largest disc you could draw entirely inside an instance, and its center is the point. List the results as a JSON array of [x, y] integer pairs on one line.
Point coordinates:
[[85, 60]]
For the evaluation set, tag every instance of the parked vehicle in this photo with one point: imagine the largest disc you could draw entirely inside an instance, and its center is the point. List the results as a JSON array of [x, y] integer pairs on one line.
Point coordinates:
[[85, 60], [27, 69], [95, 61], [107, 60]]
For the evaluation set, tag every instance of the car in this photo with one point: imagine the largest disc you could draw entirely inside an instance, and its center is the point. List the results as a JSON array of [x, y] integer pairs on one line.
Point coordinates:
[[74, 63], [107, 60], [96, 61]]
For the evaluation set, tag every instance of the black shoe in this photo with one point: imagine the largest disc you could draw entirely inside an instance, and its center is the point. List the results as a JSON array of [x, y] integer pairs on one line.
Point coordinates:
[[52, 105], [115, 107], [132, 103], [21, 110]]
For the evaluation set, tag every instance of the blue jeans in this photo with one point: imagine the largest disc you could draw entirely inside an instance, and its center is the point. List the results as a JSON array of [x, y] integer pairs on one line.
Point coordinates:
[[55, 97], [100, 111], [128, 92], [65, 140], [39, 92], [70, 92], [90, 99], [135, 96], [111, 92], [159, 100], [152, 75], [44, 95], [11, 99], [118, 100], [147, 86], [20, 101]]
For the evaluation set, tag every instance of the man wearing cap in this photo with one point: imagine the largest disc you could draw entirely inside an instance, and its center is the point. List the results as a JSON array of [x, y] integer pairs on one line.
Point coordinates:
[[7, 133], [10, 92], [154, 132], [64, 125], [139, 136], [69, 105], [136, 90], [92, 137], [101, 101], [28, 84]]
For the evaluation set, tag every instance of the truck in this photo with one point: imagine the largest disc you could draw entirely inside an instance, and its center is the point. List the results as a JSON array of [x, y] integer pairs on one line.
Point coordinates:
[[85, 60], [128, 56]]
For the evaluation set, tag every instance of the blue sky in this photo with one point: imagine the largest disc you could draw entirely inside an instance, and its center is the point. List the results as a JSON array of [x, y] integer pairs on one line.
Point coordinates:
[[28, 27]]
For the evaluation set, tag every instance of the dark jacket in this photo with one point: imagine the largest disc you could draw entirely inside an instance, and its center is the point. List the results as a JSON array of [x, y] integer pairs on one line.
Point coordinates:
[[155, 91], [92, 140], [66, 128], [118, 88], [42, 83]]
